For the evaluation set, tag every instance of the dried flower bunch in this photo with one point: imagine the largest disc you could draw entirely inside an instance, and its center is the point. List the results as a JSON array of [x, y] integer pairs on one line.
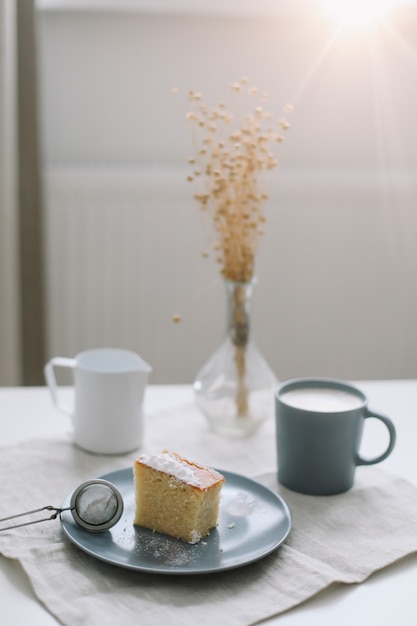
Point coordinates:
[[231, 154]]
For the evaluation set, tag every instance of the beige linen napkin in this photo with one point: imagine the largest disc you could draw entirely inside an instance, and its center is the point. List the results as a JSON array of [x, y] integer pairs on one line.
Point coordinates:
[[334, 539]]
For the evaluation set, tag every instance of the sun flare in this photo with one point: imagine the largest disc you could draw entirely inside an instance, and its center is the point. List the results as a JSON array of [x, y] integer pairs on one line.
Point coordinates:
[[358, 13]]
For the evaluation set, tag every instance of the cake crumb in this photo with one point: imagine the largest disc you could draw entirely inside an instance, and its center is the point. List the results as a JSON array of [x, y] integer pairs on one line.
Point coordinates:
[[231, 525], [195, 537]]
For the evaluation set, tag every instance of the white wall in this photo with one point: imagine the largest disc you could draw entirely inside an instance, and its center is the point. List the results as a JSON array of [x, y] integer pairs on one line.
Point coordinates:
[[107, 78], [337, 292]]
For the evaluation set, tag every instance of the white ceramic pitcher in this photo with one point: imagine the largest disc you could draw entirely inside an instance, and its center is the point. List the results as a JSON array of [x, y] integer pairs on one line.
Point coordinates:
[[109, 387]]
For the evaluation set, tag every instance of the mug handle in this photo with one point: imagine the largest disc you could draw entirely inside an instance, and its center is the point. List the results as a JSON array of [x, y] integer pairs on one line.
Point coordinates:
[[57, 361], [392, 437]]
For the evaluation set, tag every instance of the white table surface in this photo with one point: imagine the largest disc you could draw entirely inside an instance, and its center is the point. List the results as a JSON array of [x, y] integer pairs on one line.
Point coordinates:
[[386, 598]]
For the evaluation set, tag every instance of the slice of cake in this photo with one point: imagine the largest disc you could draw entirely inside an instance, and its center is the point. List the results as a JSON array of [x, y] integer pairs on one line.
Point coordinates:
[[176, 496]]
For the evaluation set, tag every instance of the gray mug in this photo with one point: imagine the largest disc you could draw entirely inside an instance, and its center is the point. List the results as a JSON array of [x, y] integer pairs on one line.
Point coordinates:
[[319, 425]]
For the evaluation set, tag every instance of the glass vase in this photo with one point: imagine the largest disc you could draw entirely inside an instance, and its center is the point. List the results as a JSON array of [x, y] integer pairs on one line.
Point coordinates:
[[235, 388]]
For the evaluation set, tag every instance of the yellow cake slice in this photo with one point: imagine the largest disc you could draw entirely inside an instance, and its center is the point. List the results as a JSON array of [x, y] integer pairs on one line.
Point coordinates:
[[176, 496]]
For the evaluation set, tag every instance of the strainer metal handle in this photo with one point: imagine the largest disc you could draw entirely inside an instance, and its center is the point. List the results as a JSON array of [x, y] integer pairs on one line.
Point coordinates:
[[56, 512]]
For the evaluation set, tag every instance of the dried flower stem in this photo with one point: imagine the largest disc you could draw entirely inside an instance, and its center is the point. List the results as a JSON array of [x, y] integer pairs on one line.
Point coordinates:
[[239, 333]]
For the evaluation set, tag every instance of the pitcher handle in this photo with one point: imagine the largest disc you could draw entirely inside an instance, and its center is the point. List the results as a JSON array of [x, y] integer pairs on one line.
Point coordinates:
[[57, 361]]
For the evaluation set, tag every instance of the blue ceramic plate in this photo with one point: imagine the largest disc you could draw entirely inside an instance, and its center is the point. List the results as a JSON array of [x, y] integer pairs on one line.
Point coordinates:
[[253, 522]]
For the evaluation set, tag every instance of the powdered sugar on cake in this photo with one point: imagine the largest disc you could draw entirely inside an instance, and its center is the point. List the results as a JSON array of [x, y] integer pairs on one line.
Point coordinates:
[[169, 464]]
